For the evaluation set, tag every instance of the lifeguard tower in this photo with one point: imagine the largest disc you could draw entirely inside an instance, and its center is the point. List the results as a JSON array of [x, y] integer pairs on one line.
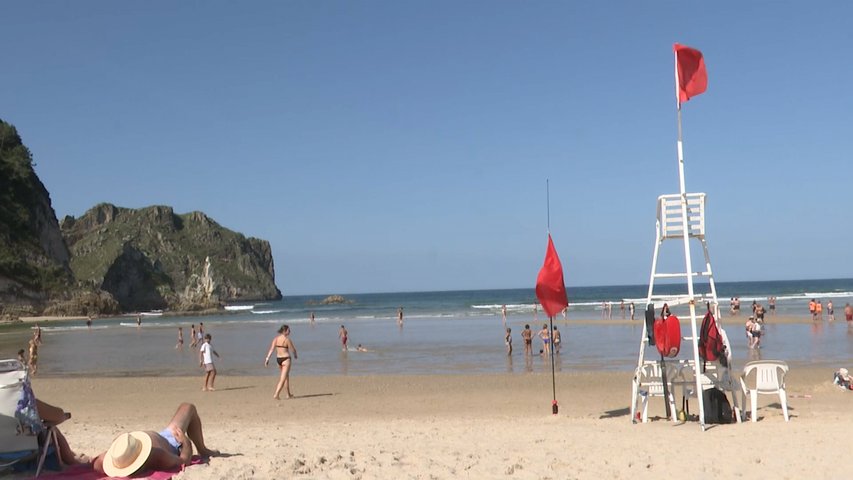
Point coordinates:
[[682, 217]]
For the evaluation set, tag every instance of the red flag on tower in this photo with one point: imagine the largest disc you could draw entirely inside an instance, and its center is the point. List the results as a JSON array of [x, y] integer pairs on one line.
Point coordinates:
[[550, 288], [690, 74]]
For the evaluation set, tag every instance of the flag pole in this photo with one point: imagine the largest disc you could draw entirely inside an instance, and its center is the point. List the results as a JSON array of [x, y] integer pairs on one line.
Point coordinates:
[[554, 407], [688, 263]]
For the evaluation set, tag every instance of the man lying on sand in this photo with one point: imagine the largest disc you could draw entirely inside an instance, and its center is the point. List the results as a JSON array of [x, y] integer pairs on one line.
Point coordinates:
[[134, 451]]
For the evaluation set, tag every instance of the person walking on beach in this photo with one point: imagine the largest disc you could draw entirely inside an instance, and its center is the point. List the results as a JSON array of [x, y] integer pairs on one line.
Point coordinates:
[[400, 316], [771, 303], [545, 336], [813, 309], [830, 312], [200, 333], [38, 334], [180, 343], [631, 309], [193, 341], [527, 336], [508, 341], [344, 336], [285, 354], [503, 313], [311, 318], [205, 355]]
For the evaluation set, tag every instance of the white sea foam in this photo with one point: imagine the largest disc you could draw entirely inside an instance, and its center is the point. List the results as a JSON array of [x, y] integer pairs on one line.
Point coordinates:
[[70, 328], [238, 308], [266, 312]]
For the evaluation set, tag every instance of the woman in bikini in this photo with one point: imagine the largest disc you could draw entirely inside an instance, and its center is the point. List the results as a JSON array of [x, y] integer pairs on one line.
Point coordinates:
[[285, 354]]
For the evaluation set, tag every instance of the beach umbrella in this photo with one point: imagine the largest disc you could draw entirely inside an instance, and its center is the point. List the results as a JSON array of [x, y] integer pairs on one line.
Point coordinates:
[[551, 293]]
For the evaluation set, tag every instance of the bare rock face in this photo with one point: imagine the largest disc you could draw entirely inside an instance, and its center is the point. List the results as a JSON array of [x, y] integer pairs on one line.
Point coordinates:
[[152, 258]]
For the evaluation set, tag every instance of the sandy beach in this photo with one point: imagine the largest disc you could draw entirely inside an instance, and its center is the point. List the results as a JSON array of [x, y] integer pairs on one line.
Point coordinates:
[[470, 426]]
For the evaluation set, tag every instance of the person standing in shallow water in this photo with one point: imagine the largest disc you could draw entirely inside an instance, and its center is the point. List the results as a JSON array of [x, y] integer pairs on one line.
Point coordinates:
[[508, 341], [285, 354], [400, 316], [344, 336], [527, 336]]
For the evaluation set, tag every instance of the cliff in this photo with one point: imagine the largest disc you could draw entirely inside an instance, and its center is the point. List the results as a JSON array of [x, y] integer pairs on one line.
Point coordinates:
[[34, 260], [115, 259], [152, 258]]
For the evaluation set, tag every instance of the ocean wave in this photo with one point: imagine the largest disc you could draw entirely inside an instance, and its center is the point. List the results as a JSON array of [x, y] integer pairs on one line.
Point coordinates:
[[69, 328], [238, 308], [509, 307], [266, 312]]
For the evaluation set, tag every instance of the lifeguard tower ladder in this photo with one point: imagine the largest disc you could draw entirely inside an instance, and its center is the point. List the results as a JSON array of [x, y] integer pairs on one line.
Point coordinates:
[[682, 217]]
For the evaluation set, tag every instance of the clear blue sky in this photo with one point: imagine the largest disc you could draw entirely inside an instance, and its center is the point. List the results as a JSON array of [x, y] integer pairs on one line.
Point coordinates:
[[402, 145]]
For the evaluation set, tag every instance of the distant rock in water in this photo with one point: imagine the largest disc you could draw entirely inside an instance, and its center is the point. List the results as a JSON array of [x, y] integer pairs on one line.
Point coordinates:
[[331, 300], [152, 258]]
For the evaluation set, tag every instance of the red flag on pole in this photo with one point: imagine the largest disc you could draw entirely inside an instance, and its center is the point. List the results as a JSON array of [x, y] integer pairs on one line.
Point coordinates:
[[691, 76], [550, 288]]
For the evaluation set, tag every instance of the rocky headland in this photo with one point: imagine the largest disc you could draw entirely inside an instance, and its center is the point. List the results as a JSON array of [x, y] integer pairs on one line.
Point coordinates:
[[111, 259]]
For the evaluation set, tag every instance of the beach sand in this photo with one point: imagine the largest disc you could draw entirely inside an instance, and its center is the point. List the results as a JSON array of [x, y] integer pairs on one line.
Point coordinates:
[[469, 426]]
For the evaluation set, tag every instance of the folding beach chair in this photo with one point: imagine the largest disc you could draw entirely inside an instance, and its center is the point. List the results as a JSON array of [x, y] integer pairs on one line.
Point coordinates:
[[20, 426]]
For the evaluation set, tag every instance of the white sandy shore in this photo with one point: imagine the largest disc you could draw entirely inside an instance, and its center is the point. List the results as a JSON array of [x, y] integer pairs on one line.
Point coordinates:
[[485, 426]]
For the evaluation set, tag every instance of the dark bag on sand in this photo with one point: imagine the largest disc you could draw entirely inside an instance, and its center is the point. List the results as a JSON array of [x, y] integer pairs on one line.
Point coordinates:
[[717, 406]]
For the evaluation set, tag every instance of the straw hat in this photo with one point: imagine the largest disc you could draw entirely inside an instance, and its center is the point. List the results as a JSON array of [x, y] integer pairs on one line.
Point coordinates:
[[127, 454], [843, 372]]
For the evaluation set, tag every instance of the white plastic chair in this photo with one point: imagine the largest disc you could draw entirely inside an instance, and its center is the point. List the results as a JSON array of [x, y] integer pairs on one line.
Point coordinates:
[[769, 380], [648, 383]]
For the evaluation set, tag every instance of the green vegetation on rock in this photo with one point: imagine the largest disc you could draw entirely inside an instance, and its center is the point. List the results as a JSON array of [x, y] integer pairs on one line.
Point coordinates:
[[33, 257]]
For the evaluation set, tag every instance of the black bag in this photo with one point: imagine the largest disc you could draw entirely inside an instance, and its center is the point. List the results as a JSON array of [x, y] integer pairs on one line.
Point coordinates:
[[717, 406], [650, 323]]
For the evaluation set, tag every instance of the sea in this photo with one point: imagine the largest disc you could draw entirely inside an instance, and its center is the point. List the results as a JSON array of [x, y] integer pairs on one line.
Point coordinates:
[[451, 332]]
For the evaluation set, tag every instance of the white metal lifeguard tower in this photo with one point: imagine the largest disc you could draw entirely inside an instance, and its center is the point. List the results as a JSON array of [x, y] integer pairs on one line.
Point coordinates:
[[682, 217], [677, 214]]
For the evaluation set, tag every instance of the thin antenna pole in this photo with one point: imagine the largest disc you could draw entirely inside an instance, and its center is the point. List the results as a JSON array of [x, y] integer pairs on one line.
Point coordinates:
[[548, 202]]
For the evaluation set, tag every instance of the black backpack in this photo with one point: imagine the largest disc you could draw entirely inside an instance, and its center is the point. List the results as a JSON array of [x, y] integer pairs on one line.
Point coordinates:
[[717, 406]]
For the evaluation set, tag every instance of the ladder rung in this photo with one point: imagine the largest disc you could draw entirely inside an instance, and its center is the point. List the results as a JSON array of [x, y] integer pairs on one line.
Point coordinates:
[[682, 275]]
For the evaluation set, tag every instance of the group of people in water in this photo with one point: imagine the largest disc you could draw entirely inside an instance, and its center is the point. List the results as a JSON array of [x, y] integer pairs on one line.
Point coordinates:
[[551, 339]]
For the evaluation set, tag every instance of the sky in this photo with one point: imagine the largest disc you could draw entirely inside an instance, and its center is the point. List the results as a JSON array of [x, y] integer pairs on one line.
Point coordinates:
[[384, 146]]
